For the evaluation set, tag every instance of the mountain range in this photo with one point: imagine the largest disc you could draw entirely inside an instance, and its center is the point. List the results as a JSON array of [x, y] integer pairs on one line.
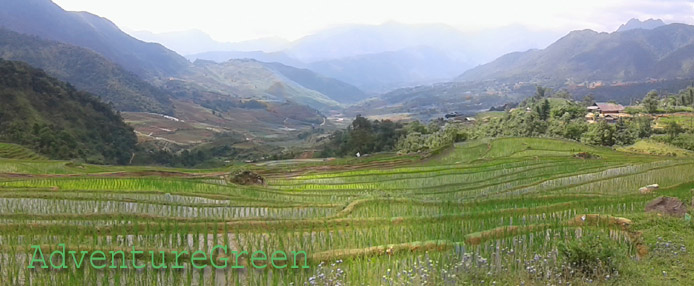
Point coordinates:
[[86, 70], [47, 20], [665, 52], [310, 84], [379, 58]]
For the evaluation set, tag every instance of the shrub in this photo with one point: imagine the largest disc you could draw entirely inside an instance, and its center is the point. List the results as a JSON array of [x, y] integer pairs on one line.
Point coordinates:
[[593, 255]]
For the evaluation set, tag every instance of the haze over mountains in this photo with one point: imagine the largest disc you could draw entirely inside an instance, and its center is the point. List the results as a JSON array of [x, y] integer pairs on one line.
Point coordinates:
[[379, 58], [196, 41], [88, 37]]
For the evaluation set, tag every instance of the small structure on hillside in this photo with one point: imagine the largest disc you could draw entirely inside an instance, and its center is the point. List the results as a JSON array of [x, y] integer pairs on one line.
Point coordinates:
[[609, 112], [605, 109]]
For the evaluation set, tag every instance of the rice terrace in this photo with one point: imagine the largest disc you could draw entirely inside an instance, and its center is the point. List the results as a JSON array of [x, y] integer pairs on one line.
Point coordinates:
[[346, 143], [489, 212]]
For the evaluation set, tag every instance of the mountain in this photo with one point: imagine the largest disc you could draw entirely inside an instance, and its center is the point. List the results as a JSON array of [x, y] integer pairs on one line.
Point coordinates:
[[268, 57], [379, 58], [581, 57], [87, 71], [54, 119], [47, 20], [354, 40], [250, 79], [382, 72], [431, 101], [332, 88], [633, 24], [195, 41]]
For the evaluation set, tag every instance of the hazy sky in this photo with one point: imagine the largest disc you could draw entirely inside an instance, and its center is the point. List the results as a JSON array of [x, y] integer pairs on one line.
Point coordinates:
[[234, 20]]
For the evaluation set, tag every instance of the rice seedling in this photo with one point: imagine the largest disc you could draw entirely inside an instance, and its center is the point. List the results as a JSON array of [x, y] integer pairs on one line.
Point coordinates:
[[505, 211]]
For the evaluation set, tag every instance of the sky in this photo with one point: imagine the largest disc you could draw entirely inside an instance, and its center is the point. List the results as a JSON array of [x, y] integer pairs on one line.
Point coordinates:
[[234, 20]]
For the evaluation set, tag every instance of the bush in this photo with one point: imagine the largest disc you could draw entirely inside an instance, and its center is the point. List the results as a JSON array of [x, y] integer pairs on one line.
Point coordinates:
[[593, 256]]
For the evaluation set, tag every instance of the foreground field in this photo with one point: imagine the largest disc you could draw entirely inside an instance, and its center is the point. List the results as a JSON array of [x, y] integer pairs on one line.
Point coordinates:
[[508, 211]]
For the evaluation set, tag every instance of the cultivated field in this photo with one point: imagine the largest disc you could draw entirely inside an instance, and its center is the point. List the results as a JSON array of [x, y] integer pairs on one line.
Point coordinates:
[[499, 212]]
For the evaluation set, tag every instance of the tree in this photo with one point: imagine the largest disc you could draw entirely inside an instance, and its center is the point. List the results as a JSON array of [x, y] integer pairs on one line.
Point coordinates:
[[588, 100], [650, 102], [624, 135], [563, 94], [540, 93], [599, 134], [544, 109], [672, 129], [644, 129]]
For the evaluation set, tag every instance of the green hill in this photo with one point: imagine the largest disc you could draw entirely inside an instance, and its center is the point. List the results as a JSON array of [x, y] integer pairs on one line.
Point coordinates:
[[337, 90], [54, 119], [87, 71], [250, 79]]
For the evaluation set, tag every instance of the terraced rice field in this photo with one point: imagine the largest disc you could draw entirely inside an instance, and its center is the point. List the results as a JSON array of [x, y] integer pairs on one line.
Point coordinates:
[[12, 151], [483, 212]]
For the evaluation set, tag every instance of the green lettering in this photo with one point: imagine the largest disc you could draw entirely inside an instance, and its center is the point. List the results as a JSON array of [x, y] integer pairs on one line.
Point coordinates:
[[176, 265], [224, 259], [275, 257], [113, 259], [135, 253], [296, 253], [254, 257], [78, 264], [238, 255], [62, 255], [163, 260], [102, 258], [193, 259], [37, 249]]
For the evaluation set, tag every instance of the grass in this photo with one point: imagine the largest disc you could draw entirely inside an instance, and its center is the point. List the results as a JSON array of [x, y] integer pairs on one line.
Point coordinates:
[[491, 211], [13, 151], [652, 147], [685, 120]]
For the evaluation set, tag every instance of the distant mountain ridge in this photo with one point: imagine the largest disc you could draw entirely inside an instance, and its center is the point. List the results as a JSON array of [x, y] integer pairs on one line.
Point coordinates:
[[378, 58], [385, 71], [195, 41], [87, 71], [634, 24], [47, 20], [666, 52]]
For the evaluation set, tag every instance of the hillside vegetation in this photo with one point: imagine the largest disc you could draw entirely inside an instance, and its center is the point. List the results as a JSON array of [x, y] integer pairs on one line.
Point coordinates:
[[86, 70], [54, 119]]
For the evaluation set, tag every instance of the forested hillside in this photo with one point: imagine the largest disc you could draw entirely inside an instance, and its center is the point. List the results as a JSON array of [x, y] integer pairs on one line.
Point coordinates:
[[54, 119], [87, 71]]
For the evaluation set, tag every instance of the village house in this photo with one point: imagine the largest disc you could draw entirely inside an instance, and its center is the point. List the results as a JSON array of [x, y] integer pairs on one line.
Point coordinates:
[[606, 108], [606, 111]]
